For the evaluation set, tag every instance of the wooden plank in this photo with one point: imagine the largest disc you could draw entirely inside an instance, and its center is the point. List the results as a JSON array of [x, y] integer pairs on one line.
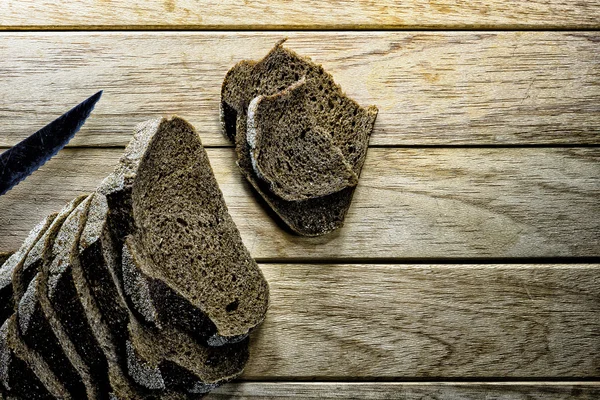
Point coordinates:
[[410, 204], [281, 14], [335, 322], [407, 391], [432, 88]]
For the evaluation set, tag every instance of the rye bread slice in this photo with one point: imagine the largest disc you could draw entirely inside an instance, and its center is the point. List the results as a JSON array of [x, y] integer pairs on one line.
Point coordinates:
[[101, 334], [13, 263], [69, 297], [118, 384], [142, 292], [155, 358], [290, 150], [351, 126], [99, 257], [235, 96], [180, 219], [40, 327], [23, 373], [105, 303], [25, 271], [177, 360]]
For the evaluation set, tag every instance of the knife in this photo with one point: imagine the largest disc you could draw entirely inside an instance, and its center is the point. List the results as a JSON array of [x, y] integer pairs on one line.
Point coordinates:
[[22, 159]]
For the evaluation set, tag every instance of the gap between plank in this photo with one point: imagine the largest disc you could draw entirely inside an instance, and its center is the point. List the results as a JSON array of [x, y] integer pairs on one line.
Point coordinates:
[[523, 382], [299, 28], [436, 261], [467, 381]]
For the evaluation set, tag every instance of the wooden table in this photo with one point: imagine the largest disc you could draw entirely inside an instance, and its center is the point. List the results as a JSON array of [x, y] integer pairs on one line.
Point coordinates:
[[469, 265]]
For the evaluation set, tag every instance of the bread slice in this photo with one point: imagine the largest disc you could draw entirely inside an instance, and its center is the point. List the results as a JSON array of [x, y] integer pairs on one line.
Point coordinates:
[[350, 124], [117, 187], [180, 219], [99, 259], [32, 264], [40, 328], [23, 373], [101, 335], [236, 93], [25, 270], [90, 331], [177, 360], [157, 359], [291, 151], [104, 309], [174, 362], [69, 297], [14, 262]]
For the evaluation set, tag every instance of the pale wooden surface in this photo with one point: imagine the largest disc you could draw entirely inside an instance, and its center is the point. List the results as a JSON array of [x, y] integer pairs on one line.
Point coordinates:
[[410, 203], [271, 14], [492, 155], [428, 321], [408, 391], [442, 88]]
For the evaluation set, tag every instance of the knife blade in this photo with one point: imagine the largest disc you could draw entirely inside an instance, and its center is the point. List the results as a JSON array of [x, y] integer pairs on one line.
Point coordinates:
[[22, 159]]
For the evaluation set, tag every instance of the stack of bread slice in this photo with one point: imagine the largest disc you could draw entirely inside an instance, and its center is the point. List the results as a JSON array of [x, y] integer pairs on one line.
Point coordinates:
[[140, 290], [300, 141]]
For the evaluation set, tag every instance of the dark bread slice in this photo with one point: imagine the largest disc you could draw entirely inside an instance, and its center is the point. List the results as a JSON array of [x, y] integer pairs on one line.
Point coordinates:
[[166, 357], [23, 373], [117, 187], [349, 123], [236, 78], [25, 271], [100, 264], [101, 333], [221, 294], [179, 362], [38, 334], [351, 126], [104, 308], [176, 196], [69, 298], [14, 262], [40, 327], [6, 301], [105, 302], [290, 151]]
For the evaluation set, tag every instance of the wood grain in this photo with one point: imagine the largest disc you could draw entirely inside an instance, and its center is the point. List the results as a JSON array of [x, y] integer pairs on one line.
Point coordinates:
[[432, 88], [407, 391], [410, 204], [336, 322], [281, 14]]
